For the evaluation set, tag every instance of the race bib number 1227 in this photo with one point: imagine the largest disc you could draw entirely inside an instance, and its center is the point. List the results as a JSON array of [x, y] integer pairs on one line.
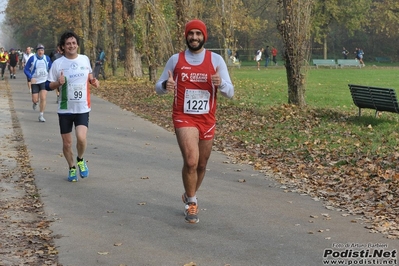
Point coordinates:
[[196, 101]]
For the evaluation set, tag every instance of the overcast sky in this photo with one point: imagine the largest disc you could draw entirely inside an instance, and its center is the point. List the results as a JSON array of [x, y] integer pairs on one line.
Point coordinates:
[[3, 5], [6, 40]]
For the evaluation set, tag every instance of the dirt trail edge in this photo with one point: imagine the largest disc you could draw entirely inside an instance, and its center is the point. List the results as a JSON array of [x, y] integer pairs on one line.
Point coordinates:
[[25, 238]]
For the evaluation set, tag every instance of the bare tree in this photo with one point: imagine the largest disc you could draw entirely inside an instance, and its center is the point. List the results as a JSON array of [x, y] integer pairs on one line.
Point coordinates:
[[93, 31], [115, 43], [294, 26], [181, 20], [151, 41], [133, 66], [223, 25], [104, 35], [84, 19]]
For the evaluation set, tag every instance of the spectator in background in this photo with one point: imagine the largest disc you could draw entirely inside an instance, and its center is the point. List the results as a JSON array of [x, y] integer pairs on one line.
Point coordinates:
[[12, 62], [99, 67], [258, 57], [237, 56], [267, 56], [55, 55], [345, 53], [3, 61], [361, 54], [274, 54], [357, 53], [20, 57], [28, 53], [233, 57]]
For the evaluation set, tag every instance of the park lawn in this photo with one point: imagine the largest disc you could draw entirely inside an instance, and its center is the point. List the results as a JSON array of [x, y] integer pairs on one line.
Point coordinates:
[[325, 87], [324, 149], [328, 98]]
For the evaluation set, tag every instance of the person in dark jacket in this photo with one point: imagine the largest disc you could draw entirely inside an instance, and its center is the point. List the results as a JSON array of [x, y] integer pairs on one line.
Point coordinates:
[[12, 62]]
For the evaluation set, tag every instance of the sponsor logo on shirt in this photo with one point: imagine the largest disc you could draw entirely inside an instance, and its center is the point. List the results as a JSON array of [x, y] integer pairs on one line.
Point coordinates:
[[198, 77], [77, 75], [184, 76], [74, 66]]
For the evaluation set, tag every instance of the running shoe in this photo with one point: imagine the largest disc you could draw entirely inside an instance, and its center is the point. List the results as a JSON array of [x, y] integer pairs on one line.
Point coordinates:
[[72, 175], [41, 118], [34, 106], [192, 213], [185, 201], [184, 198], [83, 169]]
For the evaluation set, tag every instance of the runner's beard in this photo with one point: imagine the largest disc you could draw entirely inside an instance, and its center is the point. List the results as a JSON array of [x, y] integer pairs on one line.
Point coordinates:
[[201, 43]]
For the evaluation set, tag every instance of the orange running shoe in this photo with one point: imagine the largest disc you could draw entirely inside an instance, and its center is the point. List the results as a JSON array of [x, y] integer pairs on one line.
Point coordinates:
[[192, 213]]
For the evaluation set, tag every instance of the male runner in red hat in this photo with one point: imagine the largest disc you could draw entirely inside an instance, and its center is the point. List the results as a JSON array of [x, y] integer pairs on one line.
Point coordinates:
[[195, 76]]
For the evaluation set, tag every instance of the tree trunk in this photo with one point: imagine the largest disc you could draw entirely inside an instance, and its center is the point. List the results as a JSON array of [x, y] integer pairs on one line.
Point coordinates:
[[296, 85], [151, 44], [294, 27], [103, 36], [115, 43], [133, 66], [93, 32], [325, 47], [181, 21], [84, 18]]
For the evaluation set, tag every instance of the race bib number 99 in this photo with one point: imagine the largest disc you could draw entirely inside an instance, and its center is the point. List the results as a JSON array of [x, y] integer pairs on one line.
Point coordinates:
[[77, 92], [196, 101]]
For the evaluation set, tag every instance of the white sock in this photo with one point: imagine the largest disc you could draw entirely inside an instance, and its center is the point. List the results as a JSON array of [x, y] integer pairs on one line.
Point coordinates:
[[41, 114], [192, 199]]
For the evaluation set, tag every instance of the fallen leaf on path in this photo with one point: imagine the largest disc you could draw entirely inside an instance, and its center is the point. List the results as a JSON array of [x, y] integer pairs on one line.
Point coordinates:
[[103, 253]]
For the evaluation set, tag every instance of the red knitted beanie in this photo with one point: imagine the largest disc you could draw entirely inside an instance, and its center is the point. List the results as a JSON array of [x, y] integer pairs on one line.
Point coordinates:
[[196, 24]]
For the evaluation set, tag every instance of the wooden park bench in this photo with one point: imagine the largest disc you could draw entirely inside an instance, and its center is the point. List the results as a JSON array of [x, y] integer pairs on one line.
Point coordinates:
[[349, 62], [324, 62], [379, 99], [383, 59]]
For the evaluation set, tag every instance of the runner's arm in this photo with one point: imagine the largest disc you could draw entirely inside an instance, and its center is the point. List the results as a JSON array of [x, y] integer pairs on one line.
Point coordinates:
[[226, 86], [170, 66], [27, 70]]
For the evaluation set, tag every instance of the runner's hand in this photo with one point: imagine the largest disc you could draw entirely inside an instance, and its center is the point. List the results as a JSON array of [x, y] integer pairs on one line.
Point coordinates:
[[170, 83], [216, 80], [61, 79]]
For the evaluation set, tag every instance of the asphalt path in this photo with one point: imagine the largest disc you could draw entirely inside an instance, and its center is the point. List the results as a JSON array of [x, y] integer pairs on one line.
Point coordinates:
[[129, 210]]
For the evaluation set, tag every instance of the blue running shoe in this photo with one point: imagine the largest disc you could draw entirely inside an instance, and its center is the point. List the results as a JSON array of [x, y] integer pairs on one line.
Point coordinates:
[[72, 175], [83, 169]]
